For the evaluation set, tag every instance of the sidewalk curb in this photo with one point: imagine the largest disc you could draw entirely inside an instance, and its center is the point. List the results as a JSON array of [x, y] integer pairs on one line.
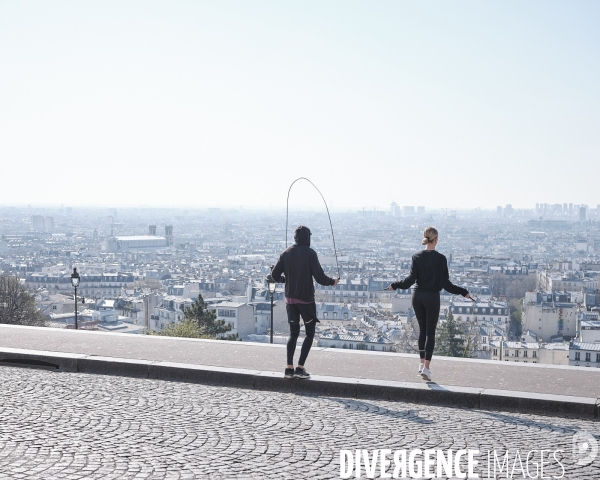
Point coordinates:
[[428, 393]]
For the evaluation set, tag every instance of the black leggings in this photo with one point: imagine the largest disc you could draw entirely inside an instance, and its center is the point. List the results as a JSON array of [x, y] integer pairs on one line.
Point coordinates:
[[427, 309], [308, 341]]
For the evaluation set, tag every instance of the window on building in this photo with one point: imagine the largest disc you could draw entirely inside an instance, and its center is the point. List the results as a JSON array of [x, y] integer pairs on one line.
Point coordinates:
[[495, 352], [588, 357], [598, 357], [525, 353], [534, 354], [577, 356], [516, 353], [506, 353]]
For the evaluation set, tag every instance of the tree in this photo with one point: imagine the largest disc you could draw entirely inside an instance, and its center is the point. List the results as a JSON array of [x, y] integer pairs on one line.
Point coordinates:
[[516, 324], [199, 322], [17, 305], [450, 341], [409, 340], [184, 328], [512, 286]]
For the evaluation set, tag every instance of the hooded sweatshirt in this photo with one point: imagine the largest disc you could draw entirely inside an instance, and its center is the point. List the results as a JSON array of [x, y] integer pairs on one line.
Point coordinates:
[[300, 264]]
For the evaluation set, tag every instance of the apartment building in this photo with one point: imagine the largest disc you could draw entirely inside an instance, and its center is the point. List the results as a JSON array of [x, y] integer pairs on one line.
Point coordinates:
[[584, 354], [491, 311], [550, 314], [523, 352], [104, 285], [239, 315], [355, 341]]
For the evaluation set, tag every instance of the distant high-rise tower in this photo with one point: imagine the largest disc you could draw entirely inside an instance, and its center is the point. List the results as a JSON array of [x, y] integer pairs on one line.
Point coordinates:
[[152, 230], [49, 224], [37, 223], [169, 234], [582, 214]]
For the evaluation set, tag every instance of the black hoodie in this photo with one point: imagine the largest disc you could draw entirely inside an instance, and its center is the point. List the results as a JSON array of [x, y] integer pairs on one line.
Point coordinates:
[[300, 264], [429, 270]]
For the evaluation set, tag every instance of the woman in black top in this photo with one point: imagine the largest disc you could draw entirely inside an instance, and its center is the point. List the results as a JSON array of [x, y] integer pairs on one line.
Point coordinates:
[[429, 270]]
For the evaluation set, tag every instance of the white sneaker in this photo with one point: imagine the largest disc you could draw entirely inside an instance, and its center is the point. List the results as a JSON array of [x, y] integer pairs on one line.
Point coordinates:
[[421, 367], [426, 374]]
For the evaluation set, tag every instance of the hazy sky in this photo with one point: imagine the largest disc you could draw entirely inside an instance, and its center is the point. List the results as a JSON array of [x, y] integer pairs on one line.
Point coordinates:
[[201, 103]]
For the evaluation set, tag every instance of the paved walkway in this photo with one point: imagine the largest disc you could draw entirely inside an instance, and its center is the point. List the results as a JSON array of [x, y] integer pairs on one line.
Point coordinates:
[[59, 425], [512, 376]]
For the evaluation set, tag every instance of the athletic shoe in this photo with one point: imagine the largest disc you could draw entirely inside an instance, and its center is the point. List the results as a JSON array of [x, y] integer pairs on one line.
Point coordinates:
[[421, 367], [301, 373], [426, 374], [289, 373]]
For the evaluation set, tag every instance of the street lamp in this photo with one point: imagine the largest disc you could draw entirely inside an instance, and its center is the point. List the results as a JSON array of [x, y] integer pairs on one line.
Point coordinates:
[[272, 285], [75, 282]]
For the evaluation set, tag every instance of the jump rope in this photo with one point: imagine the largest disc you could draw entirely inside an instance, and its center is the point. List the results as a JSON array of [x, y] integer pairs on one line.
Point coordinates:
[[287, 210]]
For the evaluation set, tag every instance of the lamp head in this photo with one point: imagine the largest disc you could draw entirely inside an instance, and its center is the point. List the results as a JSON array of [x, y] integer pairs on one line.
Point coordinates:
[[75, 278], [271, 283]]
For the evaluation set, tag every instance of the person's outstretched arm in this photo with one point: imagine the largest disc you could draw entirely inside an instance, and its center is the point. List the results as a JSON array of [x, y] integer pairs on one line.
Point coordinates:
[[448, 285], [408, 281], [318, 273], [277, 271]]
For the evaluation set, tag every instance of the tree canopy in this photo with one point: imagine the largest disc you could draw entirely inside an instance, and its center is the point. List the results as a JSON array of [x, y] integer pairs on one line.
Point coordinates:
[[17, 305], [450, 340], [198, 322]]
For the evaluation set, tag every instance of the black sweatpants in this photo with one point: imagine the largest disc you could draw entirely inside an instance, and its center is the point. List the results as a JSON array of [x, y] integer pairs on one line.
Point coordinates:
[[427, 309], [309, 315]]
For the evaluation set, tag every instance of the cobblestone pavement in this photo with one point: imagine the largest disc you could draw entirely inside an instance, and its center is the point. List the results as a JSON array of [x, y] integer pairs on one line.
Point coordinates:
[[78, 426]]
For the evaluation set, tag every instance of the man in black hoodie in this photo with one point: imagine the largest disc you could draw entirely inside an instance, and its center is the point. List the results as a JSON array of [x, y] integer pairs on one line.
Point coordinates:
[[296, 268]]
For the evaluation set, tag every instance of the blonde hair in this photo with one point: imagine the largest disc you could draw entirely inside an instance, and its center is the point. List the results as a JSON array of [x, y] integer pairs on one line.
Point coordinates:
[[429, 235]]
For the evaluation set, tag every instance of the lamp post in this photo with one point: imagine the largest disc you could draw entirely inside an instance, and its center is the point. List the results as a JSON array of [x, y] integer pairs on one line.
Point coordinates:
[[75, 282], [272, 284]]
